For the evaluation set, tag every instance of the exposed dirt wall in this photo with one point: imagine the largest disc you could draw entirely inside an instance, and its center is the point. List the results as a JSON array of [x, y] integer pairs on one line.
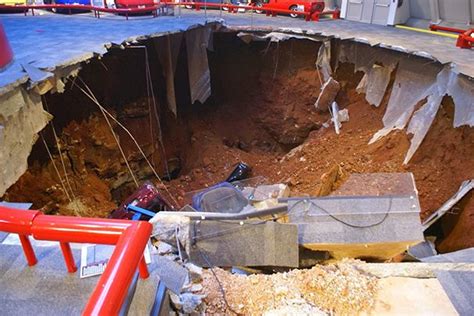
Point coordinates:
[[261, 112]]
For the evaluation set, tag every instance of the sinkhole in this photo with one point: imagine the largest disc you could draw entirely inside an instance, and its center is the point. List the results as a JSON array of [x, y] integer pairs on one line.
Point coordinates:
[[260, 110]]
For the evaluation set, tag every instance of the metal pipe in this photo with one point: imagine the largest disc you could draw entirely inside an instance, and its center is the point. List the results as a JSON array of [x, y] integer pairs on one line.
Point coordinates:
[[109, 293], [16, 221], [79, 229], [28, 250], [229, 216], [68, 257]]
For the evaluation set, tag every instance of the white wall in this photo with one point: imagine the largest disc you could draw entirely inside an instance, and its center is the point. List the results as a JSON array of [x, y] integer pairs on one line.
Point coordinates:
[[420, 9], [453, 11]]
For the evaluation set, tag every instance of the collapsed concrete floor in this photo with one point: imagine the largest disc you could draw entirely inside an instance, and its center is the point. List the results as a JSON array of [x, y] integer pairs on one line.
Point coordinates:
[[261, 112]]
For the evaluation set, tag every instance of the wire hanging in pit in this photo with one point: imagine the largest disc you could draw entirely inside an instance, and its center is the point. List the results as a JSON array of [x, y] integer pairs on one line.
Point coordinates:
[[92, 97]]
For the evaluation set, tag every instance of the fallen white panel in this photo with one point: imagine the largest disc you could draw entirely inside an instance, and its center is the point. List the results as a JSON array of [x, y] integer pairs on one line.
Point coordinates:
[[461, 88], [378, 78], [272, 36], [323, 61], [197, 42], [167, 48], [421, 123], [422, 119], [413, 83]]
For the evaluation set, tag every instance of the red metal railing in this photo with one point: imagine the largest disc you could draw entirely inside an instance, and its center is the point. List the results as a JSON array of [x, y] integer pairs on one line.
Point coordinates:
[[69, 7], [465, 39], [129, 238], [232, 8], [309, 16]]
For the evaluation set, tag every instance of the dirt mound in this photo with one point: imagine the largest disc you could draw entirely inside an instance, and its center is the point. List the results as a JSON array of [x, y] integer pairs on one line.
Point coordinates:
[[338, 289]]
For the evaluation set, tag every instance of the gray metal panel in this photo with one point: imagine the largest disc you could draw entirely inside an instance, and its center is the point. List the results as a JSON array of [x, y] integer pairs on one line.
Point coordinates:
[[459, 286], [380, 12], [354, 10], [461, 256], [255, 243], [454, 11], [472, 11], [356, 220], [368, 11]]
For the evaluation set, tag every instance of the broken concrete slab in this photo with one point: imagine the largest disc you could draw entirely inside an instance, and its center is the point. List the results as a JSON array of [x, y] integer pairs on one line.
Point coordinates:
[[378, 227], [245, 243], [172, 274], [328, 94], [422, 250], [458, 286], [421, 270], [464, 255], [21, 118], [171, 229], [408, 296]]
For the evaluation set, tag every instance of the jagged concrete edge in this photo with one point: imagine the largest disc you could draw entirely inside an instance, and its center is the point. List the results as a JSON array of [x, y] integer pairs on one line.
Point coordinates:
[[98, 52]]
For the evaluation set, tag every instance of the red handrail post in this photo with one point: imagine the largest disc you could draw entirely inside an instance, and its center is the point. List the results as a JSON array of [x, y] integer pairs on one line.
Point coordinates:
[[68, 257], [143, 269], [130, 238], [28, 250]]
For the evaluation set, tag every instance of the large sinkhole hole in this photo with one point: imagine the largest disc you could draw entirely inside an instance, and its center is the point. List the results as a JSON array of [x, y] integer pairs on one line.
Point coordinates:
[[261, 111], [260, 108]]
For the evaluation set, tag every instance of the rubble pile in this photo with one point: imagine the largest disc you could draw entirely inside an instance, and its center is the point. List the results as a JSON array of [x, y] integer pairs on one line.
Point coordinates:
[[338, 289]]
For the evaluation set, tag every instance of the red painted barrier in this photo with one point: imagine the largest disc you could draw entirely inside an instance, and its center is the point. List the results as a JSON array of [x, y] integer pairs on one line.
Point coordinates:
[[130, 239], [465, 38], [6, 54]]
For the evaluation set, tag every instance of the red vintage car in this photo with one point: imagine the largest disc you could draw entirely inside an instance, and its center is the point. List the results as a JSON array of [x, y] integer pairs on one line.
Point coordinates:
[[134, 4], [293, 5]]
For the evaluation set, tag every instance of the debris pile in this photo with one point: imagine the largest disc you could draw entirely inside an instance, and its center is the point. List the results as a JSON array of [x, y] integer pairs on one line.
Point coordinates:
[[338, 289]]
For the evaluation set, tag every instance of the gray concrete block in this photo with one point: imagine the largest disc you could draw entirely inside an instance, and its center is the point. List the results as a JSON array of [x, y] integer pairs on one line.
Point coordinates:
[[255, 243], [341, 224]]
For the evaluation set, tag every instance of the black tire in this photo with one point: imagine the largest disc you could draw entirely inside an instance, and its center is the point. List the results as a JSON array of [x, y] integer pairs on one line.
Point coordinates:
[[258, 5], [294, 8]]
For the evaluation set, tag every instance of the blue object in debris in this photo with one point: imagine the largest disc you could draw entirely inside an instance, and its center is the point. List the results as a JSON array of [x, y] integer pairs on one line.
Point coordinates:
[[139, 212]]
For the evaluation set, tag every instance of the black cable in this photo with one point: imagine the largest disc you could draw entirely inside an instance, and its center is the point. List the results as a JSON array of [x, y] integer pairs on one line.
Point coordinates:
[[342, 221]]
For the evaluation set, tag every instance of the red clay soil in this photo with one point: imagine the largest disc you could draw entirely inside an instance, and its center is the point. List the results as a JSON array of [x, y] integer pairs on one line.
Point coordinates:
[[259, 129]]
